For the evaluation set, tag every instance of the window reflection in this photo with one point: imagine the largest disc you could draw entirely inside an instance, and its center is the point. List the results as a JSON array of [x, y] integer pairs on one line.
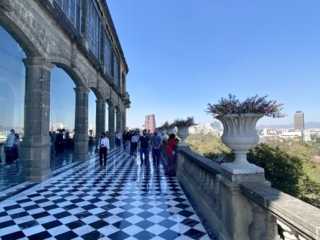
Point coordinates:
[[93, 28], [72, 9], [116, 73], [12, 89], [62, 118], [107, 53]]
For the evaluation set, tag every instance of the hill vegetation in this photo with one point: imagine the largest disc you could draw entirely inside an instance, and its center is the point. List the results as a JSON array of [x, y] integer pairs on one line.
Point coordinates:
[[290, 165]]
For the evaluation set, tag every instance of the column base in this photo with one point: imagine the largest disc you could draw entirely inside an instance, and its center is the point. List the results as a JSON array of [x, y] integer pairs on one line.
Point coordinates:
[[242, 168], [35, 164], [80, 151]]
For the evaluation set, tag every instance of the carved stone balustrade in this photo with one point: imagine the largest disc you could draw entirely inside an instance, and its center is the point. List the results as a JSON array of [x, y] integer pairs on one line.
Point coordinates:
[[244, 208]]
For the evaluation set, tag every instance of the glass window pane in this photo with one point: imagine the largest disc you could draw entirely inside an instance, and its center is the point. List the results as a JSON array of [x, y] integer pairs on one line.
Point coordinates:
[[116, 69], [12, 90], [107, 54], [93, 29]]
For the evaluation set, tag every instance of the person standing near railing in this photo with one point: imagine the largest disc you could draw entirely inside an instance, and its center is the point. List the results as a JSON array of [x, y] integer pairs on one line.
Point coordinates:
[[170, 151]]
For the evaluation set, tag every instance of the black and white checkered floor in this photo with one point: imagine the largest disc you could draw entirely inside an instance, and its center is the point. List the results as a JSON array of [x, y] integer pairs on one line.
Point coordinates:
[[123, 201]]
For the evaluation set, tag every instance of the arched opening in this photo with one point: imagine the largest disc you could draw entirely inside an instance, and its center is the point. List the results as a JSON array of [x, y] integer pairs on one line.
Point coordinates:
[[94, 118], [12, 91], [62, 118]]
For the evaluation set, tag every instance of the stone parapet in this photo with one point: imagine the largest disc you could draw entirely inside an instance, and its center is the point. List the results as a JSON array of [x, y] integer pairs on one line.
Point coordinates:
[[296, 219], [244, 206]]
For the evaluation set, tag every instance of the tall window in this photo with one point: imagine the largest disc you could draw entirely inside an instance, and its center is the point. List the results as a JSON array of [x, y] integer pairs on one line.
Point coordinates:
[[93, 28], [72, 9], [107, 53], [116, 70]]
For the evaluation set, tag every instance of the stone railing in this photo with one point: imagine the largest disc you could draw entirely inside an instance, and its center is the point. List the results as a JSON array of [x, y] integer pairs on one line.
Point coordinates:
[[244, 206]]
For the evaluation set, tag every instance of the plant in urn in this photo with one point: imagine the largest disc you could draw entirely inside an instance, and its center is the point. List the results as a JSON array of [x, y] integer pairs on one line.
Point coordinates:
[[239, 121]]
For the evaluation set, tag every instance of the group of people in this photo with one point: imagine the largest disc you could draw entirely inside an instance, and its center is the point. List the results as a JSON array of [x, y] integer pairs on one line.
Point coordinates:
[[60, 140], [149, 143], [146, 144]]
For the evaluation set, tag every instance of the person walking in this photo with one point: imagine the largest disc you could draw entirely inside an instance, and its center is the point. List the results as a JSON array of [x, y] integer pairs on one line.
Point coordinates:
[[170, 155], [134, 141], [149, 135], [156, 143], [144, 145], [124, 136], [118, 139], [103, 147]]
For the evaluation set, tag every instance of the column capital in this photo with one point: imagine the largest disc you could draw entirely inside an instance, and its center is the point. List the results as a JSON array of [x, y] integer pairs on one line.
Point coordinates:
[[79, 89], [38, 62], [100, 101]]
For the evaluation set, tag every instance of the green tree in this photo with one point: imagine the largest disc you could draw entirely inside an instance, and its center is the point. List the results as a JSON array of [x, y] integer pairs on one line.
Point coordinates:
[[281, 169]]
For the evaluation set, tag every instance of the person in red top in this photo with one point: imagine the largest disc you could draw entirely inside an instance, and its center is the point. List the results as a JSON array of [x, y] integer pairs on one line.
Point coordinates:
[[170, 154]]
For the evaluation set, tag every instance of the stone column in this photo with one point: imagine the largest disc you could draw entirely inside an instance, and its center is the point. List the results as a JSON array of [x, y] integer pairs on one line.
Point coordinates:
[[111, 128], [100, 118], [35, 147], [124, 119], [119, 121], [81, 125], [236, 211]]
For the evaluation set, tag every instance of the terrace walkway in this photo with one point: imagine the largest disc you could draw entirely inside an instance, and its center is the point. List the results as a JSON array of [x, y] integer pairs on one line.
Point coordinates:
[[123, 201]]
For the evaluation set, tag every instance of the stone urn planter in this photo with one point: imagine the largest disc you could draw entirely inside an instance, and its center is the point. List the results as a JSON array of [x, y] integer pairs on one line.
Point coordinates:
[[170, 130], [239, 134], [164, 133], [183, 133]]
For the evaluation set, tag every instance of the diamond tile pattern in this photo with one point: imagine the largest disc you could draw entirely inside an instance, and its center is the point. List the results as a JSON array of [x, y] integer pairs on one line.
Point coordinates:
[[123, 201]]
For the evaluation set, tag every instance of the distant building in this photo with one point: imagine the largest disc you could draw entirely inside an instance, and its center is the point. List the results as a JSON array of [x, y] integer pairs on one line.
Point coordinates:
[[216, 125], [150, 122], [206, 128], [299, 120], [306, 136]]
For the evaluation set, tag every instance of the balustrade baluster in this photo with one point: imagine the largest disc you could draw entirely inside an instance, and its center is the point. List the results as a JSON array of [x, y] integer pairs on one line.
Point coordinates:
[[271, 227], [257, 228]]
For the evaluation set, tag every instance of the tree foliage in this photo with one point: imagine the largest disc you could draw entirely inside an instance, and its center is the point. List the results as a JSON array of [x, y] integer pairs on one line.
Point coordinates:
[[281, 169]]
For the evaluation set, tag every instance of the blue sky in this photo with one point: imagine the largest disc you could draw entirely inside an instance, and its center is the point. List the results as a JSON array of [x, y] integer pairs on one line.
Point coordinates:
[[183, 54]]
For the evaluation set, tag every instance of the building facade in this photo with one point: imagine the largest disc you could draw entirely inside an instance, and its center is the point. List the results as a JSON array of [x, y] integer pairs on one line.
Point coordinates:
[[299, 120], [150, 122], [77, 37]]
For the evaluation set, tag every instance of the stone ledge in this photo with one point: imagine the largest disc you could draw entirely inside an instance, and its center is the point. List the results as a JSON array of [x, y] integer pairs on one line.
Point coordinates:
[[298, 214], [204, 162]]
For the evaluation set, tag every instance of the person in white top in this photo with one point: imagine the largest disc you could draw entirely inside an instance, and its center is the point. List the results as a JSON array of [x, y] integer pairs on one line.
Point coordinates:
[[134, 141], [103, 147]]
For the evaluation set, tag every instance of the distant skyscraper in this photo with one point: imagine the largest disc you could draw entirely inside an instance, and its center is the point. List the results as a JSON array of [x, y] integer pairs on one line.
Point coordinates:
[[299, 120], [150, 122], [216, 125]]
